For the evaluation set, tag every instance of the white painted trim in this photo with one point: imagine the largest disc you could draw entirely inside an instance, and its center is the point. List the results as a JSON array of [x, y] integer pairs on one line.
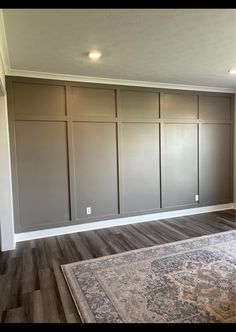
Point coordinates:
[[2, 78], [6, 202], [117, 222], [7, 235], [3, 45], [2, 89], [234, 143], [87, 79]]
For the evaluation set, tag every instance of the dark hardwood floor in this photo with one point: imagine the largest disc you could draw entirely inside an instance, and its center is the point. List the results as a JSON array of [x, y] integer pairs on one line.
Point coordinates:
[[32, 287]]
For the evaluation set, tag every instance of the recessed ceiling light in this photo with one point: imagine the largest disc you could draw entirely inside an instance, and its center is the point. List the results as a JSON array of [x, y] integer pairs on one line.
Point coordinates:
[[232, 71], [94, 55]]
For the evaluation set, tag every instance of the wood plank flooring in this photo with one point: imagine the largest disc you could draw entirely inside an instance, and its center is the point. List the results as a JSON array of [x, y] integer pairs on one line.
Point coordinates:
[[32, 287]]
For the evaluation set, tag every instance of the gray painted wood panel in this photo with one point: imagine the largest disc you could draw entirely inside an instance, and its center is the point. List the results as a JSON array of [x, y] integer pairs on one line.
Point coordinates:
[[215, 163], [179, 164], [92, 102], [139, 104], [214, 108], [140, 166], [179, 106], [95, 158], [42, 169], [38, 100]]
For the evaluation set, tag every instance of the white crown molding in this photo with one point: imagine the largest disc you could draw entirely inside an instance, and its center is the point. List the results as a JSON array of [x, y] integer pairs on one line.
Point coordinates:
[[118, 222], [3, 45], [88, 79]]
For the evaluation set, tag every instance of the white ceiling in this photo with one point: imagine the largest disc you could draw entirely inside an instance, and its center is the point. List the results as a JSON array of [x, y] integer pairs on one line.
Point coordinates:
[[182, 46]]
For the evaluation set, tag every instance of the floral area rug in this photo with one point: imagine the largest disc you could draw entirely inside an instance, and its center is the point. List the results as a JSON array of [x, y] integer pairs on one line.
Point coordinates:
[[190, 281]]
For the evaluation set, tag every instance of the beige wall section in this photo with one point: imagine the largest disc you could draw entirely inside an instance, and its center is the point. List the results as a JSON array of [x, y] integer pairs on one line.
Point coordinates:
[[6, 206], [235, 150]]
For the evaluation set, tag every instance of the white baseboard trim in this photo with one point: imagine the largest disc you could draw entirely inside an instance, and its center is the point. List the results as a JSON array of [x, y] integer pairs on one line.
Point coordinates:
[[118, 222]]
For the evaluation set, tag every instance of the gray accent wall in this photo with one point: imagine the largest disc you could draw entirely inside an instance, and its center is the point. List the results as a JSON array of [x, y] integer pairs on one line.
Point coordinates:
[[140, 166], [42, 172], [47, 100], [179, 106], [92, 102], [215, 163], [139, 104], [95, 165], [180, 164], [215, 108], [89, 152]]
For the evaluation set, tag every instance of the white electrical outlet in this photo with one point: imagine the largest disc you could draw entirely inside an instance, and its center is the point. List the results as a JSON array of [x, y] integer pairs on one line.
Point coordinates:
[[88, 210], [196, 198]]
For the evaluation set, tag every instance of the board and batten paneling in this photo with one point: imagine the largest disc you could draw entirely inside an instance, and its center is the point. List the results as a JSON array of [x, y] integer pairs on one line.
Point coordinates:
[[42, 170], [215, 163], [95, 167], [140, 166], [38, 99], [139, 104], [179, 106], [115, 149], [179, 164]]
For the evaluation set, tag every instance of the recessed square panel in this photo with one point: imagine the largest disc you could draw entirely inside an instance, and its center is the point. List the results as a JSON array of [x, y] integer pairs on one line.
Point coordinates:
[[179, 106], [139, 104], [93, 102], [214, 108], [38, 100]]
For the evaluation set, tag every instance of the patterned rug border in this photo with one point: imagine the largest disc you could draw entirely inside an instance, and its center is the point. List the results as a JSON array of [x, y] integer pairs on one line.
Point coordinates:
[[72, 283], [72, 295], [193, 239]]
